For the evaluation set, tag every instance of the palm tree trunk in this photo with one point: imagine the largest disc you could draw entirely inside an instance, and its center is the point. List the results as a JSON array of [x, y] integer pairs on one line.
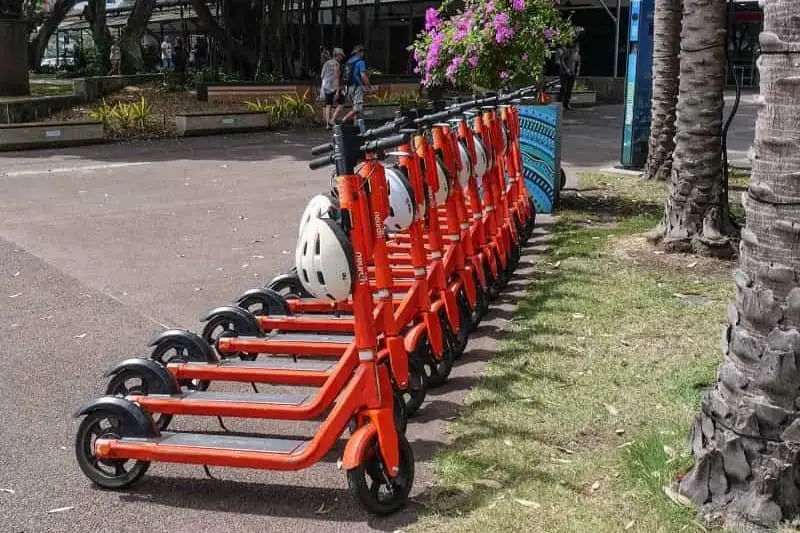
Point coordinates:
[[746, 440], [695, 218], [666, 66]]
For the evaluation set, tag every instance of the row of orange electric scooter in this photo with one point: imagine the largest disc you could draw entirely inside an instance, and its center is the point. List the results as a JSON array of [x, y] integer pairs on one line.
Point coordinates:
[[394, 267]]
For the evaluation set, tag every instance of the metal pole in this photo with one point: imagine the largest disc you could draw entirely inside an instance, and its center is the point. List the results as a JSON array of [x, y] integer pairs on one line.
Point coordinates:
[[616, 40]]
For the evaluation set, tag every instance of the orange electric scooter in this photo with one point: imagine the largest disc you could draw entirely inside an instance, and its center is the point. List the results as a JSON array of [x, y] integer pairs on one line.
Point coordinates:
[[117, 439]]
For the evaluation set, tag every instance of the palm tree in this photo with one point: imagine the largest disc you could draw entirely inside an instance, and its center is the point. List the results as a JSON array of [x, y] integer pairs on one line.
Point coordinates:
[[666, 66], [696, 217], [746, 439], [13, 43]]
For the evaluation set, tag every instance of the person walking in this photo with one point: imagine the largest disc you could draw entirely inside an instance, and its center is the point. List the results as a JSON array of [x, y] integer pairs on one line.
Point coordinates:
[[115, 55], [332, 87], [166, 54], [357, 82], [569, 64]]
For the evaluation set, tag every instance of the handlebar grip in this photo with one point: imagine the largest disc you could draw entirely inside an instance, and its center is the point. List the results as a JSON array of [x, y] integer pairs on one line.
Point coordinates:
[[322, 149], [433, 118], [385, 143], [382, 131], [320, 162]]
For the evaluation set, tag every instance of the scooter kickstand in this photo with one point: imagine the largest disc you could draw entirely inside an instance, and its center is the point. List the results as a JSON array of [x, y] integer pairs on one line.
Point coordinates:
[[208, 472], [255, 389], [222, 424]]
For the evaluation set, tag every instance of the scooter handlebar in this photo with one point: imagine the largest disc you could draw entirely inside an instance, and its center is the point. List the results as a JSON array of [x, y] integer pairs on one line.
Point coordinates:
[[373, 133], [322, 149], [376, 145]]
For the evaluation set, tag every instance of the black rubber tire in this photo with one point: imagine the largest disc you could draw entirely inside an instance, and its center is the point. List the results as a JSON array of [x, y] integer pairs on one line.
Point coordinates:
[[85, 455], [465, 324], [439, 369], [417, 389], [371, 466], [117, 384], [208, 331], [163, 348], [400, 415]]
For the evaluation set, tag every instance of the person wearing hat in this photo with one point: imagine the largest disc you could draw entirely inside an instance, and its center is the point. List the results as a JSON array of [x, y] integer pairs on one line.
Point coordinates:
[[332, 88], [358, 82]]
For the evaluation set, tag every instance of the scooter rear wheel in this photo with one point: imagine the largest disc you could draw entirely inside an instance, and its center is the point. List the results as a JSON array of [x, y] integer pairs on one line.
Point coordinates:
[[220, 326], [173, 352], [129, 383], [371, 486], [465, 324], [107, 473]]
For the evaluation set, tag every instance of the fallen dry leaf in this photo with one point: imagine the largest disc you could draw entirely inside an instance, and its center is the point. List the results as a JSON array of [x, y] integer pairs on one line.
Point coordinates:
[[565, 450], [677, 497], [16, 274], [611, 409], [508, 442], [629, 525], [595, 486], [15, 295], [257, 257], [61, 509], [528, 503], [562, 461], [489, 483], [692, 264], [323, 509], [82, 335], [619, 431], [9, 491], [578, 315], [624, 343]]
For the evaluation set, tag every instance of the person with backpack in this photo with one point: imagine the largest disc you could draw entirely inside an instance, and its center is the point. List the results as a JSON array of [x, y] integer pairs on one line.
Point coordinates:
[[357, 81]]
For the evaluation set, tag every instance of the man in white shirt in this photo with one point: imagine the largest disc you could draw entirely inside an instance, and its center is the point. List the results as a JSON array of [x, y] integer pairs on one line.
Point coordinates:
[[166, 55]]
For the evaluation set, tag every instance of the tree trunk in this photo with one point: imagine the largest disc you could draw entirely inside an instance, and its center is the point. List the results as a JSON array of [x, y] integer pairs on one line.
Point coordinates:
[[96, 16], [13, 64], [262, 39], [746, 440], [695, 218], [231, 46], [131, 38], [38, 44], [666, 67]]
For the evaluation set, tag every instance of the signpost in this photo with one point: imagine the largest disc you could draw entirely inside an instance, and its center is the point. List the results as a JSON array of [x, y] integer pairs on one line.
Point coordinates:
[[638, 85]]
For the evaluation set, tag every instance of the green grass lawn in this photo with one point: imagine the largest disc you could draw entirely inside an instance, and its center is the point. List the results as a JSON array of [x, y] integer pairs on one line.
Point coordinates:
[[582, 417]]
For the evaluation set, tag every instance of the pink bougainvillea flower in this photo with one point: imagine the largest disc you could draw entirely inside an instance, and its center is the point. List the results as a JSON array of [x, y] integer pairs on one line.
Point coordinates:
[[518, 5], [431, 19]]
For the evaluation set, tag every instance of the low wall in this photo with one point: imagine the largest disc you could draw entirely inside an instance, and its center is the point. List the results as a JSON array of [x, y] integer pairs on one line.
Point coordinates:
[[31, 108], [47, 135], [90, 89], [189, 124]]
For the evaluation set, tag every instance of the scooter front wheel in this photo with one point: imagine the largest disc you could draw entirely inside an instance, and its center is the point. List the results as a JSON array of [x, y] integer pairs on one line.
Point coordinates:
[[417, 389], [439, 369], [372, 487], [107, 473], [465, 324]]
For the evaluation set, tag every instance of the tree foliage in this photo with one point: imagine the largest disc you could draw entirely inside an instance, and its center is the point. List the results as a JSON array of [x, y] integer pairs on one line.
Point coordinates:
[[494, 44]]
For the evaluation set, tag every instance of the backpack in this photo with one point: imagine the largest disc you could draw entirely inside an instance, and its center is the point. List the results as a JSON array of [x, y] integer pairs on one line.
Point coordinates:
[[348, 73]]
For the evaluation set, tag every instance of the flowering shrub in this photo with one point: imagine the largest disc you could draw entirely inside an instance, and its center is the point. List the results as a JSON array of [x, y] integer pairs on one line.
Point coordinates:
[[491, 43]]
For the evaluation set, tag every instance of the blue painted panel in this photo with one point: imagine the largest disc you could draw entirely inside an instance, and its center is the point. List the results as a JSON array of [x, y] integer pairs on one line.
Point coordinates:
[[540, 141]]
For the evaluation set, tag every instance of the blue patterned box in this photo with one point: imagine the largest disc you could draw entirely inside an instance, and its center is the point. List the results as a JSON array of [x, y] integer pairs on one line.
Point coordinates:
[[540, 141]]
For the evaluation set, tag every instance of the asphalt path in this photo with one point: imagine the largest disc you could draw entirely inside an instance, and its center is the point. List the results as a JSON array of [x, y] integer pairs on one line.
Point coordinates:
[[102, 247]]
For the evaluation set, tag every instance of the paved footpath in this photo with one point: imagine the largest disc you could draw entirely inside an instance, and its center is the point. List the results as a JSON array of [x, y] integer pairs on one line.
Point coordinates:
[[103, 246]]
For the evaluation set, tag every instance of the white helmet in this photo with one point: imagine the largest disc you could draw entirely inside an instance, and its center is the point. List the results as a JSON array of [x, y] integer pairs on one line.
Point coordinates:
[[444, 183], [466, 164], [402, 206], [482, 160], [318, 206], [324, 259]]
